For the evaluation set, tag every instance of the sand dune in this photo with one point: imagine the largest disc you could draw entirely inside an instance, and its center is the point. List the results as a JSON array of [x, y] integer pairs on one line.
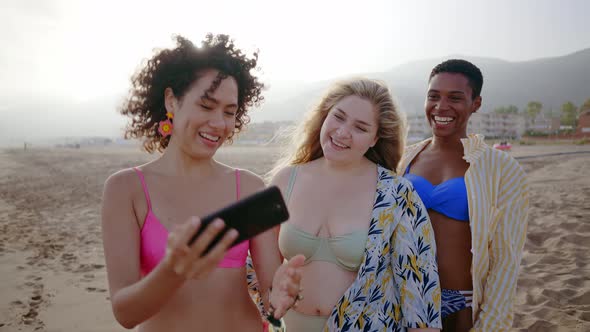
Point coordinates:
[[52, 268]]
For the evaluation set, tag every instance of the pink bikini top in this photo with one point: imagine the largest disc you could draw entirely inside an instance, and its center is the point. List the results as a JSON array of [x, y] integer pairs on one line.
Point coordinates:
[[154, 237]]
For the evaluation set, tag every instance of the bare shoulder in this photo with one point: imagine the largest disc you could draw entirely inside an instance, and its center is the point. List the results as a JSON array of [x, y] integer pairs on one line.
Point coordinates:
[[122, 182], [250, 178], [250, 182], [281, 178], [120, 192]]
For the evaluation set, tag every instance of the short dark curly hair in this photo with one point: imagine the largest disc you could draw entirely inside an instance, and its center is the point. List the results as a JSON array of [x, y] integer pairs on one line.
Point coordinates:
[[178, 68], [465, 68]]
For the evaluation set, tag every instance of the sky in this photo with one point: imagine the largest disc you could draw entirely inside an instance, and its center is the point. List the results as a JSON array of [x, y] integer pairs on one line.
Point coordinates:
[[65, 65]]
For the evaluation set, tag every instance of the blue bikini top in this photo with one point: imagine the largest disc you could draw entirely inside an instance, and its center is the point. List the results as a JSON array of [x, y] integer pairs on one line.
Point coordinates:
[[448, 198]]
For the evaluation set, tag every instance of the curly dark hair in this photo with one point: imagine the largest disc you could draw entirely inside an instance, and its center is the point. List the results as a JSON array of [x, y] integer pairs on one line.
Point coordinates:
[[465, 68], [178, 68]]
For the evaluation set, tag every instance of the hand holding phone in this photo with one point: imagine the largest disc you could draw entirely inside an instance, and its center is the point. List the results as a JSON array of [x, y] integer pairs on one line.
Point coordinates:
[[250, 216], [190, 262]]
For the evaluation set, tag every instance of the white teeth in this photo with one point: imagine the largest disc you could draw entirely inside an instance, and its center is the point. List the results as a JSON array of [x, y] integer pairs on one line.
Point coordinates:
[[339, 145], [209, 137], [443, 119]]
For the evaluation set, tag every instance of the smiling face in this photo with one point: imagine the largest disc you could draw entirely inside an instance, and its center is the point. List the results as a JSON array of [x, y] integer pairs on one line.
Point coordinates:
[[202, 122], [449, 104], [349, 130]]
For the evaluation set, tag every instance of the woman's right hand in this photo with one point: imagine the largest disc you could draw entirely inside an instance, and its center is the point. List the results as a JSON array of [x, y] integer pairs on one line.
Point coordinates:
[[188, 261]]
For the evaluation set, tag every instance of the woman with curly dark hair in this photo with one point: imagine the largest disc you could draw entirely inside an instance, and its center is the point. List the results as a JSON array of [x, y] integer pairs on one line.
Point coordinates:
[[186, 102]]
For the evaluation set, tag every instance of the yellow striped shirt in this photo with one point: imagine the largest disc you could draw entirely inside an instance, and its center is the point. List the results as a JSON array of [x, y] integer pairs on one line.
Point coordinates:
[[498, 199]]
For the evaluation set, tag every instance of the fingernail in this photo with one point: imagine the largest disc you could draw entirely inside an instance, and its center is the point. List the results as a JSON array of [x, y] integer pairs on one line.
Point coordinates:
[[195, 221]]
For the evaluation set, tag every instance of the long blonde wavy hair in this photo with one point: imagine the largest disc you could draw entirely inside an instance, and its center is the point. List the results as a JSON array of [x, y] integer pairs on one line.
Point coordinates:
[[391, 130]]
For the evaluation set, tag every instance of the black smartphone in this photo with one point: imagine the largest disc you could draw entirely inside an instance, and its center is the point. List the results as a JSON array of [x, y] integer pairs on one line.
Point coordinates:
[[250, 216]]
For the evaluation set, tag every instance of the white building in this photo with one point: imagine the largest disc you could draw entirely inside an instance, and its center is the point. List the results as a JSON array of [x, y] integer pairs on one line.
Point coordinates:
[[494, 125], [543, 124]]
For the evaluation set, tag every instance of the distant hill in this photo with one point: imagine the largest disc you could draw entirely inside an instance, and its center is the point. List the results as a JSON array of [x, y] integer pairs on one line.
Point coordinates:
[[552, 81]]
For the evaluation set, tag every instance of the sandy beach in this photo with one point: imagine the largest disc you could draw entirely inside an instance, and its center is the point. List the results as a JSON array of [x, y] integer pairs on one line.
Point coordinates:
[[52, 267]]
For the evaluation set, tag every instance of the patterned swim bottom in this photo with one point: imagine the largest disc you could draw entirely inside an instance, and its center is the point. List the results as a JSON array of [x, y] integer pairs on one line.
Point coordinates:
[[455, 300]]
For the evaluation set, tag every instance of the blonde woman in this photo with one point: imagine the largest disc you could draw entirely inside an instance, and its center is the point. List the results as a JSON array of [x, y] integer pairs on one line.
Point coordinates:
[[369, 246]]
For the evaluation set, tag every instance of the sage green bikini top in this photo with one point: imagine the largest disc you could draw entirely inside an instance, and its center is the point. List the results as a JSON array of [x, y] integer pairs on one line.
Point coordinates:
[[346, 251]]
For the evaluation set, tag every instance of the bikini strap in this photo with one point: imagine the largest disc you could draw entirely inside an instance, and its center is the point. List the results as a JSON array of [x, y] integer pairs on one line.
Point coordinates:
[[237, 184], [291, 182], [408, 168], [143, 185]]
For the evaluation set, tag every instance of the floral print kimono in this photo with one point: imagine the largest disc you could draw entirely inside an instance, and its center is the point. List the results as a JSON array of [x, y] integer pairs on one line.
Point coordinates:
[[397, 285]]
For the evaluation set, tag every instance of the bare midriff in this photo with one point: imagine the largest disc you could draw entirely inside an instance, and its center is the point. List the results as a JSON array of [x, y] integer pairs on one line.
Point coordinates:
[[322, 293], [453, 243], [219, 303]]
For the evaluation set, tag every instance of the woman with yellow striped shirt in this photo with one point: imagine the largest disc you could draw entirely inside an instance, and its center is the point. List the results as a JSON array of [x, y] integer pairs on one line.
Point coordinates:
[[477, 200]]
